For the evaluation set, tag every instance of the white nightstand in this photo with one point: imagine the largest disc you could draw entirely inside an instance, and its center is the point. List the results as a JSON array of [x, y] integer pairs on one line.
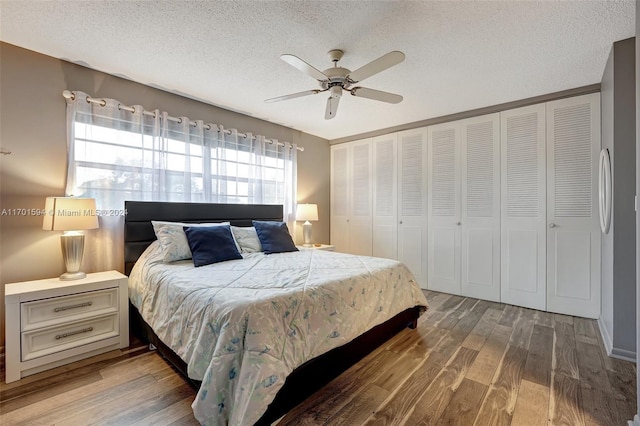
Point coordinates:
[[327, 247], [51, 322]]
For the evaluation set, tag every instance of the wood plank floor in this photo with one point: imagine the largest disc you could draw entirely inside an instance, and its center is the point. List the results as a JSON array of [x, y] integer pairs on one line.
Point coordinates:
[[469, 362]]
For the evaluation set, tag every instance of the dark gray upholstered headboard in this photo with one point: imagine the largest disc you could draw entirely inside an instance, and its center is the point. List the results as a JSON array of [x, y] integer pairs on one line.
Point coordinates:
[[138, 231]]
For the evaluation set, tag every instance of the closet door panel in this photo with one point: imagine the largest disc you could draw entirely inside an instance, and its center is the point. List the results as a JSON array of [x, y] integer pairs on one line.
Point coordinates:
[[522, 256], [523, 207], [340, 184], [480, 201], [478, 254], [573, 235], [385, 197], [444, 208], [340, 234], [360, 236], [413, 250], [412, 202], [445, 268], [384, 237], [571, 264]]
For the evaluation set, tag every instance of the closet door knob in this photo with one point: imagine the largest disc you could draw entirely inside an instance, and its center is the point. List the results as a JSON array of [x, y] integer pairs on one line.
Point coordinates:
[[552, 225], [458, 223], [400, 222]]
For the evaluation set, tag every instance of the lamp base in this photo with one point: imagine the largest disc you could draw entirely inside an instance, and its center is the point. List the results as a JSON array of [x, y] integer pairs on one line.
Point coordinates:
[[306, 232], [72, 243], [70, 276]]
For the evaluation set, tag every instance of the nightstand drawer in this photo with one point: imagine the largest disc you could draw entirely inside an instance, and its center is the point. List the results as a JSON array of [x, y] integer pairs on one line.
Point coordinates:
[[55, 339], [59, 310]]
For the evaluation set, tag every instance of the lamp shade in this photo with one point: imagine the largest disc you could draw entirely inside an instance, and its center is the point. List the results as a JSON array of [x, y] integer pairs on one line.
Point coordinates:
[[307, 212], [70, 214]]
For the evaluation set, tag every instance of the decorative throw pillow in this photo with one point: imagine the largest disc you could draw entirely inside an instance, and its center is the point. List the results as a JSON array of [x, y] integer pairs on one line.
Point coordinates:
[[274, 237], [247, 239], [173, 240], [211, 244]]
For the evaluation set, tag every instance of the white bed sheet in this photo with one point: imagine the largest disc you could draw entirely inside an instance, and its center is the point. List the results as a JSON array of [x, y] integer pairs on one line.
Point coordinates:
[[243, 326]]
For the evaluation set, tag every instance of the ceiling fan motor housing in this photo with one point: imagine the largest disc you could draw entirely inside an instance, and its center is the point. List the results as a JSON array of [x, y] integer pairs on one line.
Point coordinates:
[[337, 76]]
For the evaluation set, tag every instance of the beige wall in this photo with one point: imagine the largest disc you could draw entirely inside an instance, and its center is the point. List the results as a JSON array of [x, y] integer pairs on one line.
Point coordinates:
[[32, 127]]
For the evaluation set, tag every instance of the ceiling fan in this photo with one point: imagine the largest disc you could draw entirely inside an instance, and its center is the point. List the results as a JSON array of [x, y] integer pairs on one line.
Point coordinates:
[[337, 79]]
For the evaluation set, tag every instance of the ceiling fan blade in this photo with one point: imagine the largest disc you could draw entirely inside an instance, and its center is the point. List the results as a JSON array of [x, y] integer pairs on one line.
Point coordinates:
[[377, 95], [298, 63], [332, 107], [293, 95], [376, 66]]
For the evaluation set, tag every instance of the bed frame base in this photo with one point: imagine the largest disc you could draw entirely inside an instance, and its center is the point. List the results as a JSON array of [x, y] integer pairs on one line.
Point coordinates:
[[304, 380]]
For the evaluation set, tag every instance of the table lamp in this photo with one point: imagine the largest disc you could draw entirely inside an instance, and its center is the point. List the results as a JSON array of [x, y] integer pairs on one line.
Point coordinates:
[[71, 215], [307, 212]]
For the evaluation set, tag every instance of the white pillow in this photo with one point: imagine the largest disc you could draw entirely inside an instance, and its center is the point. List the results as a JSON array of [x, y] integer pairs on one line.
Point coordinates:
[[247, 239], [173, 240]]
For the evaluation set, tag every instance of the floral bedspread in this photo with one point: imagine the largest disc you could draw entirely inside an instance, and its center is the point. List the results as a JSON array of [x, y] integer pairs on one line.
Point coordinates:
[[243, 326]]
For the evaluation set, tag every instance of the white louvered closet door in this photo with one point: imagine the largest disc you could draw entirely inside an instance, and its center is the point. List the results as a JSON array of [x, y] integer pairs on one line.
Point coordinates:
[[573, 233], [523, 207], [480, 198], [340, 197], [385, 208], [444, 208], [360, 235], [412, 202]]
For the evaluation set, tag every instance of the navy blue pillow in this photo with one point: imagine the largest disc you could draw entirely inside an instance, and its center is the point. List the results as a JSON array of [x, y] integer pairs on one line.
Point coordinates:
[[211, 244], [274, 237]]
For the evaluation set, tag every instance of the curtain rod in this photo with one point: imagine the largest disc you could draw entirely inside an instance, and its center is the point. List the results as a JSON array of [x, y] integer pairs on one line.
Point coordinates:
[[70, 95]]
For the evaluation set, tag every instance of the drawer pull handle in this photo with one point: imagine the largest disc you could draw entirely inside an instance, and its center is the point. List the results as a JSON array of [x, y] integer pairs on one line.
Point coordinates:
[[79, 305], [72, 333]]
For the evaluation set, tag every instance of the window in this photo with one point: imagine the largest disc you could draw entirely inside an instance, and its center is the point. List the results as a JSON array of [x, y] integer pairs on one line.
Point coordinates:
[[113, 162]]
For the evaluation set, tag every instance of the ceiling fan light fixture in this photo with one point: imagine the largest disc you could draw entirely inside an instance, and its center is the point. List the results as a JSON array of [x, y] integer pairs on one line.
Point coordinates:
[[336, 91]]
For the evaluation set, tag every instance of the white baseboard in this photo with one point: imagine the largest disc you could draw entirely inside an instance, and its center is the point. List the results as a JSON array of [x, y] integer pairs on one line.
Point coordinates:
[[635, 421], [606, 338], [623, 354], [618, 353]]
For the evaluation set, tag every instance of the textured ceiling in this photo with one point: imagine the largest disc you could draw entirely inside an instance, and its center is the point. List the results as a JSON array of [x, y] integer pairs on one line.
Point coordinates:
[[459, 55]]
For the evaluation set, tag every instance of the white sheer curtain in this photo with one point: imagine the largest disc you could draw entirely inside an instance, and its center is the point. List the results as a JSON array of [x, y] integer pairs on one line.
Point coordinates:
[[115, 155]]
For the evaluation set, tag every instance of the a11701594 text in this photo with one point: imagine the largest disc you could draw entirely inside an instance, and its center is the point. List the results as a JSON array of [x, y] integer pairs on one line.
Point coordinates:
[[25, 212], [45, 212]]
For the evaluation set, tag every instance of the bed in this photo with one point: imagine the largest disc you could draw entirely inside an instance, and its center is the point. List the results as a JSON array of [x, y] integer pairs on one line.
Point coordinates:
[[254, 353]]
